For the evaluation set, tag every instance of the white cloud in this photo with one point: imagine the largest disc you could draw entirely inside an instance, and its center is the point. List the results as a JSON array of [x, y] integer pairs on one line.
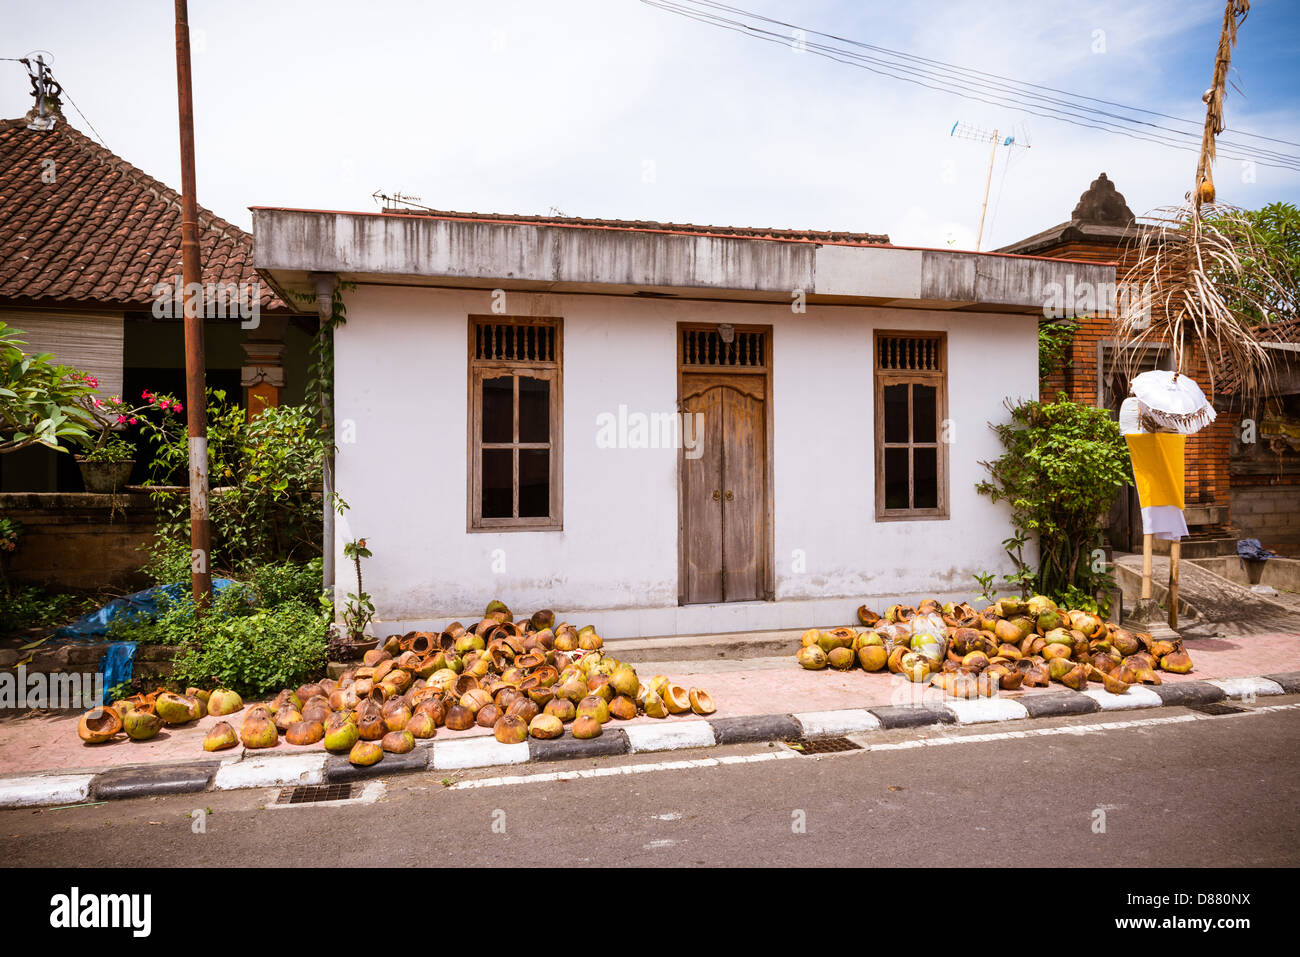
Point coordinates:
[[515, 106]]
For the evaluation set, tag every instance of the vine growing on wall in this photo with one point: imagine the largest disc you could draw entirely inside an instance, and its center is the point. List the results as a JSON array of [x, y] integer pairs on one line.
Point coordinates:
[[320, 366], [1054, 341]]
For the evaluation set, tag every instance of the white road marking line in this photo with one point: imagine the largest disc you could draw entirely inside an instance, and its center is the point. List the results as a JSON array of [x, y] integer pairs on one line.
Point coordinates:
[[1010, 735], [623, 769], [883, 746]]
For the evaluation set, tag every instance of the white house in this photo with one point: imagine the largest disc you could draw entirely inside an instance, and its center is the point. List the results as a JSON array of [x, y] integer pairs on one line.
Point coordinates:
[[663, 429]]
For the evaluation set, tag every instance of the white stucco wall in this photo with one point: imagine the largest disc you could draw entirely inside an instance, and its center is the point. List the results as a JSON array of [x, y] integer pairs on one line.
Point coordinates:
[[401, 374]]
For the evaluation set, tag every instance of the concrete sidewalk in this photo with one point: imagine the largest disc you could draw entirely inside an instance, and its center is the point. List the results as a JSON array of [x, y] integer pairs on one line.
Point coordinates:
[[764, 698]]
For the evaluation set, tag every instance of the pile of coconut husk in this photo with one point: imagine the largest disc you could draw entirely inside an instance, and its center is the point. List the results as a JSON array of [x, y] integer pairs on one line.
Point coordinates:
[[1011, 644], [141, 716], [520, 678]]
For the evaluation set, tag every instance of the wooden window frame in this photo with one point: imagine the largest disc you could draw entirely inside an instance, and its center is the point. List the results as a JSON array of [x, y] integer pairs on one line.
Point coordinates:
[[937, 378], [481, 369]]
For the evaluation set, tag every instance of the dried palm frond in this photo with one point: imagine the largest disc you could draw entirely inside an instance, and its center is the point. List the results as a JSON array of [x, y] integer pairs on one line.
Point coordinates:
[[1202, 280], [1234, 14]]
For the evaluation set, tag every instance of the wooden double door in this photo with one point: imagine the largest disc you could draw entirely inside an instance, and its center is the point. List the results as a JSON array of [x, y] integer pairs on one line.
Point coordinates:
[[724, 487]]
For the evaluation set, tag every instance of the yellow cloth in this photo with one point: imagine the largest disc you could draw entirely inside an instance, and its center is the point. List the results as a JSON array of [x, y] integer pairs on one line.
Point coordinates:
[[1158, 467]]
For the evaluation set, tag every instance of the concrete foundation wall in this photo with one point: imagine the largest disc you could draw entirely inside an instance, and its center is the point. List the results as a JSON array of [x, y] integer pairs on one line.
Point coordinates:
[[401, 373], [79, 540], [1269, 513]]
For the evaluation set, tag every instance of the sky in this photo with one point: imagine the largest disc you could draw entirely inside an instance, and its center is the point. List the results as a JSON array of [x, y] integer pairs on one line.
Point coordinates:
[[615, 109]]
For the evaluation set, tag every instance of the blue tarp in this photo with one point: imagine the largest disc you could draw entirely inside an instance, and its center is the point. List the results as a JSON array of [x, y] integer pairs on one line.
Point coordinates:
[[93, 626], [1251, 550], [118, 663]]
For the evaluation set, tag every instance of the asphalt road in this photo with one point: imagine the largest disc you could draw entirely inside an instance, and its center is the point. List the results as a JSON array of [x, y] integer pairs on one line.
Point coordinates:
[[1206, 792]]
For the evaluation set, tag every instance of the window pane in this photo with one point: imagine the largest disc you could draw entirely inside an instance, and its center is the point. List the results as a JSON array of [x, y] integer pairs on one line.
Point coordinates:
[[534, 483], [534, 409], [895, 413], [498, 483], [925, 414], [896, 478], [925, 478], [498, 410]]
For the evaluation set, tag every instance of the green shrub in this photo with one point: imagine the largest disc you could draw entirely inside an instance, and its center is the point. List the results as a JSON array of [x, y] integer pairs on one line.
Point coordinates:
[[278, 583], [1063, 464], [174, 623], [258, 653], [32, 607], [169, 561], [1054, 341], [265, 501]]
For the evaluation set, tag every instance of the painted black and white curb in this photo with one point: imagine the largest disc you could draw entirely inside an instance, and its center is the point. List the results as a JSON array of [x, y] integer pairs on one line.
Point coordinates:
[[256, 769]]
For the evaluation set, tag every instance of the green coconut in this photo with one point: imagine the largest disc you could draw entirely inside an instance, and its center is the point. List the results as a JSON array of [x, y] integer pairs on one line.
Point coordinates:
[[223, 702], [220, 737], [178, 708], [812, 658], [141, 725]]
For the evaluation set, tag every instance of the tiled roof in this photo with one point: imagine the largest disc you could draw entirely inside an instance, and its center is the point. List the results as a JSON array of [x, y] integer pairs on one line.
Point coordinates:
[[103, 231], [1285, 331], [746, 232]]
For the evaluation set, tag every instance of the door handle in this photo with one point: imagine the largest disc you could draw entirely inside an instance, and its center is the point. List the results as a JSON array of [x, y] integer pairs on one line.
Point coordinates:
[[730, 495], [717, 495]]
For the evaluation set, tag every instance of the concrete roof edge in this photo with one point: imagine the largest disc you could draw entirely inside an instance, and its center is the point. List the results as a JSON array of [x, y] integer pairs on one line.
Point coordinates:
[[290, 242]]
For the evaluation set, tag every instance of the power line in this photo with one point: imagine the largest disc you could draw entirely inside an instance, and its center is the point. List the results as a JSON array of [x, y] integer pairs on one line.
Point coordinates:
[[84, 117], [953, 67], [1003, 97], [997, 94]]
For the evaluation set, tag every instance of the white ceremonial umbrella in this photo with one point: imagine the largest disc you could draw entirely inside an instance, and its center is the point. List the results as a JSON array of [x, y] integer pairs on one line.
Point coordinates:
[[1171, 402]]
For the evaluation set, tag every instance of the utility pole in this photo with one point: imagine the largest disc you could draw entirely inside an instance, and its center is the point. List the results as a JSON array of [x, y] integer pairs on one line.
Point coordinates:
[[965, 131], [195, 386]]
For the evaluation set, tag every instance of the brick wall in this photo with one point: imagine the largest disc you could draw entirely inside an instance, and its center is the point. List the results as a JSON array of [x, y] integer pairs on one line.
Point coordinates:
[[1207, 478]]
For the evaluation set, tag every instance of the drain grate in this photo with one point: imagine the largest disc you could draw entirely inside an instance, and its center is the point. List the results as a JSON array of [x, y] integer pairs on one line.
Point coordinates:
[[1218, 708], [315, 793], [810, 746]]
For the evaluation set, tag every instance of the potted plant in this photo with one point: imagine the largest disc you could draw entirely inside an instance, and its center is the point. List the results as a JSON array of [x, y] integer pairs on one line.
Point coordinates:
[[108, 458], [107, 466], [359, 610]]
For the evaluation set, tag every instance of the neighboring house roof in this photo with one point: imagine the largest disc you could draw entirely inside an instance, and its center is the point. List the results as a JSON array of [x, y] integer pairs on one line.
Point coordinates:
[[102, 232], [747, 232], [1101, 216], [1283, 333]]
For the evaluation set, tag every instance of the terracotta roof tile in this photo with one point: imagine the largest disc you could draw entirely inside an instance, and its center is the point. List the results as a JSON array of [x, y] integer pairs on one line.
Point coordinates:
[[104, 231]]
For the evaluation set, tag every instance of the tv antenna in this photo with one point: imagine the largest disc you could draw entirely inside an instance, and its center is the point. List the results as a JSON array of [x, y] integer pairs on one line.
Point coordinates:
[[396, 200], [965, 131], [45, 89]]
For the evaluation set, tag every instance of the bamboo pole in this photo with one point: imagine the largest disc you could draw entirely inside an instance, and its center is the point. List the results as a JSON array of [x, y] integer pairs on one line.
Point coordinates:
[[1174, 548], [993, 155], [1146, 566]]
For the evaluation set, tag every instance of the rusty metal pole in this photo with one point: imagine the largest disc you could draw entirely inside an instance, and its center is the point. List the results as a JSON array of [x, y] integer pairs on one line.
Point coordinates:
[[195, 386]]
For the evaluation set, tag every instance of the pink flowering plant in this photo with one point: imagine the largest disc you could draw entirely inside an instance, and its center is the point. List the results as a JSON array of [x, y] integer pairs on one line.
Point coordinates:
[[115, 417]]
